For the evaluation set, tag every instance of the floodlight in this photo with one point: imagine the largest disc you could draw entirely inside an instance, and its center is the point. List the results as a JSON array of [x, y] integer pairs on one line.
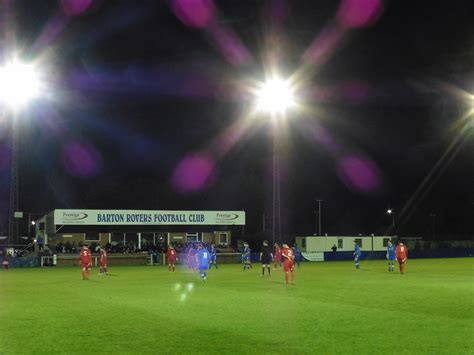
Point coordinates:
[[389, 211], [19, 83], [275, 96]]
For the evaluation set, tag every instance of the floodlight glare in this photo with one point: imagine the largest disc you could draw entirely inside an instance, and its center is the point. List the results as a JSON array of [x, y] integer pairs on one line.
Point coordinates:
[[389, 211], [19, 83], [275, 96]]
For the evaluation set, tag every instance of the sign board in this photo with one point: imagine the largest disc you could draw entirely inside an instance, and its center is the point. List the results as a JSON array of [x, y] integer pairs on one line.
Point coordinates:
[[147, 217], [313, 255]]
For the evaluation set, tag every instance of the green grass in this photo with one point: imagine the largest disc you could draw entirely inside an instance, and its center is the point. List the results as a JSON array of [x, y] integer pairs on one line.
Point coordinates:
[[332, 308]]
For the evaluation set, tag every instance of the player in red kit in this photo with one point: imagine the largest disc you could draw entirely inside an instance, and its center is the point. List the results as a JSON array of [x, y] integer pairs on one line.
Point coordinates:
[[103, 262], [402, 256], [288, 262], [172, 257], [85, 261], [276, 256]]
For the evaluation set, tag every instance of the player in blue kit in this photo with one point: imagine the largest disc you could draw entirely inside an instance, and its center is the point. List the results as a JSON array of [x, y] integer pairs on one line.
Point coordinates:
[[357, 254], [246, 257], [202, 258], [213, 256], [391, 256]]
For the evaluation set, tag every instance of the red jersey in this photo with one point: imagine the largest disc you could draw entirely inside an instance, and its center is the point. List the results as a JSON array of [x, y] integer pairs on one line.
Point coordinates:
[[86, 256], [401, 252], [171, 254], [288, 254], [288, 259], [103, 258], [277, 254]]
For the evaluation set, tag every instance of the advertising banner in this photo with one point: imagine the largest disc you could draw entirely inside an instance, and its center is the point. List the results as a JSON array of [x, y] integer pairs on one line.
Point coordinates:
[[147, 217], [313, 255]]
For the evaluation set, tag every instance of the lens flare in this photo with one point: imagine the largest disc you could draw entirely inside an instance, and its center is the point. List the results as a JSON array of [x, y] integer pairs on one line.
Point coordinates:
[[275, 96], [360, 174], [81, 159], [359, 13], [75, 7], [193, 173], [19, 83], [194, 13]]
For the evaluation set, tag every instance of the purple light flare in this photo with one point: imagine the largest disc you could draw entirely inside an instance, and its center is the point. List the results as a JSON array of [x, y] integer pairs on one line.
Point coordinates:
[[163, 81], [195, 172], [323, 45], [358, 173], [194, 13], [51, 30], [230, 45], [359, 13], [355, 91], [75, 7], [81, 160]]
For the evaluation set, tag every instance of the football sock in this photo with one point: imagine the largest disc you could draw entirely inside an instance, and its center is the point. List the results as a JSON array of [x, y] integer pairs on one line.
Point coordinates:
[[286, 278], [268, 269], [263, 270]]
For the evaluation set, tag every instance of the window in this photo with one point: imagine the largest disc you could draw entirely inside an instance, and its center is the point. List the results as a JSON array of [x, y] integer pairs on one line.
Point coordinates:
[[193, 237], [385, 241], [41, 226], [92, 236], [223, 238], [117, 238], [358, 241], [340, 243]]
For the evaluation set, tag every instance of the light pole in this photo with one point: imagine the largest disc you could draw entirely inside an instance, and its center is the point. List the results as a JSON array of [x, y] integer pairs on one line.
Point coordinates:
[[319, 215], [19, 84], [275, 97], [390, 212]]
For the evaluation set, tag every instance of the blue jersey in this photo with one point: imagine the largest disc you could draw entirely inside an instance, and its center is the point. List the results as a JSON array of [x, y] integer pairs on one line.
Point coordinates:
[[391, 252], [357, 251], [297, 252], [203, 259], [213, 254], [246, 254]]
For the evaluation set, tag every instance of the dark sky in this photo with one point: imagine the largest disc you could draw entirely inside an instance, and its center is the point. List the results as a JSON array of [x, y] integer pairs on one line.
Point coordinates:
[[145, 99]]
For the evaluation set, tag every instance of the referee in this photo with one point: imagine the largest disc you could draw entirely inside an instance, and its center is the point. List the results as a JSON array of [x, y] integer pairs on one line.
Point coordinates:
[[266, 257]]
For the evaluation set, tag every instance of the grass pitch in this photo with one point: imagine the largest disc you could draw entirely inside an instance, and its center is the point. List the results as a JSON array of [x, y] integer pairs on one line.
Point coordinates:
[[332, 308]]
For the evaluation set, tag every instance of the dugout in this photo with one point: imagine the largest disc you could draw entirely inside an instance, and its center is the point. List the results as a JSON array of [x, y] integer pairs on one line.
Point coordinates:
[[140, 227]]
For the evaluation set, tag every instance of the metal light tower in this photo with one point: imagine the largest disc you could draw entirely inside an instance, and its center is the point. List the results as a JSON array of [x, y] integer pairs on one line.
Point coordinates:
[[19, 84], [319, 215], [12, 221], [274, 97], [391, 213]]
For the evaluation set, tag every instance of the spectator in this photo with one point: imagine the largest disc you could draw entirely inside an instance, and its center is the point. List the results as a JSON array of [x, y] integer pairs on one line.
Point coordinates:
[[40, 242]]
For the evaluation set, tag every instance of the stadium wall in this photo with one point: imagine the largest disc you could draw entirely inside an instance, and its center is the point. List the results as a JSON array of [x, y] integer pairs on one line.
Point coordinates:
[[343, 243], [412, 254]]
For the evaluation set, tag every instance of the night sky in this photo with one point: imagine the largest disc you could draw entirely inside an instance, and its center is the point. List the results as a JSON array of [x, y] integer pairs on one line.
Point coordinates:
[[148, 106]]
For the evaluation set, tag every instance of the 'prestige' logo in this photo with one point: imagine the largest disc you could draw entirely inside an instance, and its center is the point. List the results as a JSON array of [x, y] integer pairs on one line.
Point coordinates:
[[226, 216], [74, 216]]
